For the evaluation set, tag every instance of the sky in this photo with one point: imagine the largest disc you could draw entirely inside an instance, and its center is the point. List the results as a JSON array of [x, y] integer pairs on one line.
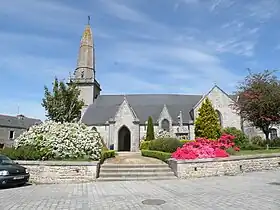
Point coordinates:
[[142, 46]]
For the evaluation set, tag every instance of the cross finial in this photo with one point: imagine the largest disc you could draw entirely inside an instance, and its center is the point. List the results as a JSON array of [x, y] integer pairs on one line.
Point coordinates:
[[88, 20]]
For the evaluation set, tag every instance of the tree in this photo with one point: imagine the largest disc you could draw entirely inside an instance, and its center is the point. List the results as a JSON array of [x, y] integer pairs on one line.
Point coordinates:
[[150, 130], [63, 105], [259, 100], [207, 122]]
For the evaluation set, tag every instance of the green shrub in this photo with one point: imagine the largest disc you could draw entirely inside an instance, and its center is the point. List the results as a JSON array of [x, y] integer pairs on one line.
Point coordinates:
[[253, 147], [164, 156], [25, 153], [258, 140], [183, 141], [165, 145], [145, 145], [274, 142], [241, 140], [105, 154]]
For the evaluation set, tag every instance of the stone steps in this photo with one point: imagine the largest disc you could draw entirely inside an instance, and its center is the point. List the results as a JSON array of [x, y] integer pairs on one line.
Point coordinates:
[[131, 172], [103, 179]]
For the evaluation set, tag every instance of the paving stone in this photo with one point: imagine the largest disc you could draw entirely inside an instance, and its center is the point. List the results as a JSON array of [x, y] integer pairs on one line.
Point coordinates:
[[246, 191]]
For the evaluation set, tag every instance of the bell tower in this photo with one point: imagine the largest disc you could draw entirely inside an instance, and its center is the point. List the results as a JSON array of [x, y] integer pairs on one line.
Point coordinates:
[[84, 74]]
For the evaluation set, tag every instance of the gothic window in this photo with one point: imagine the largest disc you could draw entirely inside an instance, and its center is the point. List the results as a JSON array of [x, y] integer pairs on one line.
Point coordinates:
[[165, 125], [273, 133], [219, 117], [82, 74]]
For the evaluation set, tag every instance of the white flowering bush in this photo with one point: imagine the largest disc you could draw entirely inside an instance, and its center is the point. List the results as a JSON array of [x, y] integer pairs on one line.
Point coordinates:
[[162, 134], [62, 141]]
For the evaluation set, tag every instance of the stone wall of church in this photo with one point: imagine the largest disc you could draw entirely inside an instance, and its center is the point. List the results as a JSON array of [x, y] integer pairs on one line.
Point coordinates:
[[126, 117], [222, 103]]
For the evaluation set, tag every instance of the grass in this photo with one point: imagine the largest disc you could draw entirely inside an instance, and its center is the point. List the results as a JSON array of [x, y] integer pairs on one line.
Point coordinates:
[[256, 152]]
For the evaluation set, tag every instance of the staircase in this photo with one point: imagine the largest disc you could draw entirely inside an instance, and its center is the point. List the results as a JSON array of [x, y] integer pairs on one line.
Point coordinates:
[[132, 172], [131, 166]]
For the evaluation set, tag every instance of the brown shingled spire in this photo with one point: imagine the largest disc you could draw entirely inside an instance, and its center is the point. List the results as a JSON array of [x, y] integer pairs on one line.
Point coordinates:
[[86, 59]]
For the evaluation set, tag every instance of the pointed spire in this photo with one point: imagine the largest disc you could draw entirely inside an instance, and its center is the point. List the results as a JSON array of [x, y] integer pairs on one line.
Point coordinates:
[[86, 58]]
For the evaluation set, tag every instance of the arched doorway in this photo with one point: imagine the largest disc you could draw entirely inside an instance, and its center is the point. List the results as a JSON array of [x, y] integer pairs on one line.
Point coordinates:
[[165, 125], [124, 138]]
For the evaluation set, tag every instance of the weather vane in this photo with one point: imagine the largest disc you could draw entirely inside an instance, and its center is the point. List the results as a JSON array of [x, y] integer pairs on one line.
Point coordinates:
[[88, 20]]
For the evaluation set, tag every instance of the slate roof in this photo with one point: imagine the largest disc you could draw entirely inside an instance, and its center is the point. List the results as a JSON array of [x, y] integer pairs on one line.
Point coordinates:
[[17, 121], [144, 105]]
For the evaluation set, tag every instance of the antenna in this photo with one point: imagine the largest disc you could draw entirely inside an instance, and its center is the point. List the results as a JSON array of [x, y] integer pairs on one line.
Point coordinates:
[[88, 20], [18, 109]]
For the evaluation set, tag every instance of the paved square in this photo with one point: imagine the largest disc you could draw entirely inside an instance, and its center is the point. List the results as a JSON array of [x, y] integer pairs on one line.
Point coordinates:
[[247, 191]]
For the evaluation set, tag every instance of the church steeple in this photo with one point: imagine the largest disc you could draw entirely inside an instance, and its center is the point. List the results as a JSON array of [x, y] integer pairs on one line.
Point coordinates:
[[84, 75], [85, 70]]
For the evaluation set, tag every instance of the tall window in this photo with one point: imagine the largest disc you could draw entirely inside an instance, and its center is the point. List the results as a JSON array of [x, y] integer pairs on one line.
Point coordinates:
[[273, 133], [165, 125], [219, 117], [11, 134]]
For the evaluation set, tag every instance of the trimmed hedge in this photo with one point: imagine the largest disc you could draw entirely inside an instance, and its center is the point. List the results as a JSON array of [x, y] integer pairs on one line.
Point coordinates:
[[165, 145], [105, 154], [24, 153], [145, 145], [164, 156], [183, 141]]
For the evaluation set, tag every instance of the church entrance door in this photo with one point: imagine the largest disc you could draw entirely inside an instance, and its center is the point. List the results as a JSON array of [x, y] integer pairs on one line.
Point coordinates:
[[124, 139]]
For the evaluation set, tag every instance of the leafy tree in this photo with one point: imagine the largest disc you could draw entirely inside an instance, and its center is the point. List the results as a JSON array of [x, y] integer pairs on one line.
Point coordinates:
[[63, 104], [150, 130], [259, 100], [207, 122]]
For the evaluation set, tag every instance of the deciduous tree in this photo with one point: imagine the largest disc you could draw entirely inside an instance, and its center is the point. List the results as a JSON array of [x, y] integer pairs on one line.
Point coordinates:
[[259, 100], [63, 104]]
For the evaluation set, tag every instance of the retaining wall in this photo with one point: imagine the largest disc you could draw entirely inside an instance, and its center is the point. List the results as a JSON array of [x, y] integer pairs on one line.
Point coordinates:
[[51, 172], [224, 166]]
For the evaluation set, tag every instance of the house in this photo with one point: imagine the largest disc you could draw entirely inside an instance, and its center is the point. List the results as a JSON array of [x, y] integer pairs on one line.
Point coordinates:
[[12, 126]]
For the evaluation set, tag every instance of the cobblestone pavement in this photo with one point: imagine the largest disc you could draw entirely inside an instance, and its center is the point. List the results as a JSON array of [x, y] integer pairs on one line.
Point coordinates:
[[247, 191]]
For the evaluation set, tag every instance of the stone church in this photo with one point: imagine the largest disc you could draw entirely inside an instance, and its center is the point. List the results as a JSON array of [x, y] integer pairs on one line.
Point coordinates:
[[122, 119]]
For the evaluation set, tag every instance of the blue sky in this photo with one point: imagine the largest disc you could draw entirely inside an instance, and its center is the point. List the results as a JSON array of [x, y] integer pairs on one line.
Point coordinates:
[[142, 46]]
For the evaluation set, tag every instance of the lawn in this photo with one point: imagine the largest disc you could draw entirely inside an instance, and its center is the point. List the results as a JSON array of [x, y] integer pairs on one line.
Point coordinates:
[[255, 152]]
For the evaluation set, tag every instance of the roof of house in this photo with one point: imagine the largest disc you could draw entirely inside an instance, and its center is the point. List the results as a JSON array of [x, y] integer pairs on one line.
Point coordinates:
[[19, 121]]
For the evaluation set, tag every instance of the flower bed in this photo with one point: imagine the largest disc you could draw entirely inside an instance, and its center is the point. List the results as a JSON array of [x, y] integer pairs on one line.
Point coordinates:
[[205, 148]]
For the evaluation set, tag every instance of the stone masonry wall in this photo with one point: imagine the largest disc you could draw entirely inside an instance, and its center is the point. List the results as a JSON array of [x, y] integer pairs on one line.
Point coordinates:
[[224, 166], [52, 172]]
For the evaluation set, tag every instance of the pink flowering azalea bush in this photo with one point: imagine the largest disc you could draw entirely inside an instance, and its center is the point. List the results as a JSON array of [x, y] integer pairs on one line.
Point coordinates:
[[205, 148]]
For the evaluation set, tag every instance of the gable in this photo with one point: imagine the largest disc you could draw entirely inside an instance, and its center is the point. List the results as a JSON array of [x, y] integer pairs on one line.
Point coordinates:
[[125, 111], [216, 89]]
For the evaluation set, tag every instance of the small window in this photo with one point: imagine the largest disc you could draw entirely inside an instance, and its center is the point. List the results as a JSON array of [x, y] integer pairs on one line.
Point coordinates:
[[82, 74], [273, 133], [11, 134]]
